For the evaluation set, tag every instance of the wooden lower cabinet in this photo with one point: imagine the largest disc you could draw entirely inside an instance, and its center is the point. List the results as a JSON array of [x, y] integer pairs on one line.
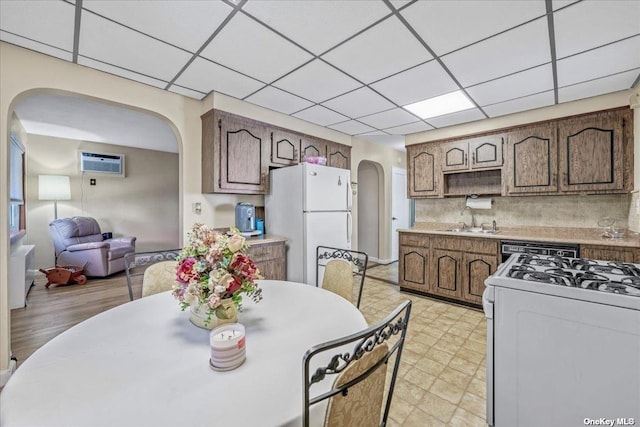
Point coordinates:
[[454, 268], [271, 259], [610, 253], [445, 270], [413, 268], [475, 270]]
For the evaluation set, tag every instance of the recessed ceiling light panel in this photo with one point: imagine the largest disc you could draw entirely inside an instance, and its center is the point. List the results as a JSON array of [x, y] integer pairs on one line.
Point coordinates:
[[443, 104]]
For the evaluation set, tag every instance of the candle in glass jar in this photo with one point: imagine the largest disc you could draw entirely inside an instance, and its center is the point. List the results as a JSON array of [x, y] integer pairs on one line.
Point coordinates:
[[227, 346]]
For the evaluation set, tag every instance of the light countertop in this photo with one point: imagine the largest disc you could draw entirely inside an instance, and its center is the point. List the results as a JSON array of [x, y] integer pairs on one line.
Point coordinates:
[[583, 236]]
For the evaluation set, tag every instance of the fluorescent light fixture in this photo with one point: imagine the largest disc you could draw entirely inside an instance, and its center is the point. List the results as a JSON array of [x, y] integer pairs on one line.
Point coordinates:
[[440, 105]]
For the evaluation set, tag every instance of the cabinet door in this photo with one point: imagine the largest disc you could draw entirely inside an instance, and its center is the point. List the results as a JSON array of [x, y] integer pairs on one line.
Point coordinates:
[[413, 268], [532, 162], [312, 147], [455, 156], [609, 253], [486, 151], [424, 176], [243, 143], [475, 270], [285, 148], [338, 155], [591, 153], [445, 273]]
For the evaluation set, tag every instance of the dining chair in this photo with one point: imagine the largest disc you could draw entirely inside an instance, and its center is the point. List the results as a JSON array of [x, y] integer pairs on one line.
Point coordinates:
[[362, 389], [157, 268], [336, 269]]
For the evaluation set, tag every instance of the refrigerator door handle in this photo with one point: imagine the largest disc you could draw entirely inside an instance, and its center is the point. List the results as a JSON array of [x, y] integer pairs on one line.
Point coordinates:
[[349, 196], [349, 227]]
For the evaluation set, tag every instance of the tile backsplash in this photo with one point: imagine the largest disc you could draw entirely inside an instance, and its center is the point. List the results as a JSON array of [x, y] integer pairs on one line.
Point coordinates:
[[546, 211]]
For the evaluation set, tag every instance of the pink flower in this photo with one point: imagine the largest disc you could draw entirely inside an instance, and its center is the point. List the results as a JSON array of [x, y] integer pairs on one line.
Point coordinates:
[[185, 272]]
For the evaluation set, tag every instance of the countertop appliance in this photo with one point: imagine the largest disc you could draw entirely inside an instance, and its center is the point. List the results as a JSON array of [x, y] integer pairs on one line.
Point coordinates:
[[563, 341], [245, 217], [310, 205]]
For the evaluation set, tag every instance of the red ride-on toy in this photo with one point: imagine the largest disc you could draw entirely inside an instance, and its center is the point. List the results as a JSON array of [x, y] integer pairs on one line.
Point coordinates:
[[64, 275]]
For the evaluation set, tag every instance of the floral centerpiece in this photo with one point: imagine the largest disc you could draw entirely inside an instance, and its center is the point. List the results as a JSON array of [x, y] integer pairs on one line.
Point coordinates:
[[212, 269]]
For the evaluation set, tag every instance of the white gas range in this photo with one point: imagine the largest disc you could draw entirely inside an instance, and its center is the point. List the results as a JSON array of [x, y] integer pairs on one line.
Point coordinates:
[[563, 342]]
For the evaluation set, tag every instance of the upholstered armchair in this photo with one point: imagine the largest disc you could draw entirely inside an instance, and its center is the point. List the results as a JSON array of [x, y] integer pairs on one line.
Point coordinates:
[[79, 241]]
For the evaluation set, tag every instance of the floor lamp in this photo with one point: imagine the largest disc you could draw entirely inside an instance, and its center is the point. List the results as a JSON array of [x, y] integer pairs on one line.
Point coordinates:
[[54, 187]]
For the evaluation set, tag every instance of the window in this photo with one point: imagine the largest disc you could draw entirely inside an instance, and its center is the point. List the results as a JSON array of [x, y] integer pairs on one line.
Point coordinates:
[[16, 185]]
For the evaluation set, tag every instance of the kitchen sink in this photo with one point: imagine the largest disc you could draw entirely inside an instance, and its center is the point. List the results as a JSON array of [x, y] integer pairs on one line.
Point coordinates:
[[471, 230]]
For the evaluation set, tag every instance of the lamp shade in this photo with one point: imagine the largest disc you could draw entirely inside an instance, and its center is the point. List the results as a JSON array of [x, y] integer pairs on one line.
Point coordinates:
[[54, 187]]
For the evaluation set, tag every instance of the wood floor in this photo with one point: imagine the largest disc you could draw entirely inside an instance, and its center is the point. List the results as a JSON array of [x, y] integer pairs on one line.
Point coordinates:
[[52, 311]]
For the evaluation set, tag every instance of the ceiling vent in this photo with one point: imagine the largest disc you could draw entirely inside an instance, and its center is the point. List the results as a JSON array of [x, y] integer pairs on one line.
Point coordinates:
[[102, 163]]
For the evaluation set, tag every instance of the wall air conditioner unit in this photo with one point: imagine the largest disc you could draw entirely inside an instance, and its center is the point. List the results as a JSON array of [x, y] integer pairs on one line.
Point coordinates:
[[102, 163]]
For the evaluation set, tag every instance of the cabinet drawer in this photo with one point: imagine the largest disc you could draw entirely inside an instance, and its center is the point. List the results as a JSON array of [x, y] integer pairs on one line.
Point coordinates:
[[475, 245], [414, 239], [264, 252]]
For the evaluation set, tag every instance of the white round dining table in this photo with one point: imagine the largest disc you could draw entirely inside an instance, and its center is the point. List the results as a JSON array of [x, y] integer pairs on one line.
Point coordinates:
[[144, 364]]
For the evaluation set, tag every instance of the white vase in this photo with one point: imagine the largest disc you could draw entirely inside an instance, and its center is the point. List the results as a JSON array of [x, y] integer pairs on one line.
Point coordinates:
[[227, 312]]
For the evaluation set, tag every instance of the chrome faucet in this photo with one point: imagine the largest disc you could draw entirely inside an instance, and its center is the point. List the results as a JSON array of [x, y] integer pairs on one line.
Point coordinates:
[[473, 216]]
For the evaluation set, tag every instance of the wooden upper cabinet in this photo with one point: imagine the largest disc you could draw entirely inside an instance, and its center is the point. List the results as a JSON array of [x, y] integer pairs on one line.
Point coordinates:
[[476, 153], [532, 161], [424, 175], [338, 155], [591, 152], [285, 148], [312, 147], [235, 154]]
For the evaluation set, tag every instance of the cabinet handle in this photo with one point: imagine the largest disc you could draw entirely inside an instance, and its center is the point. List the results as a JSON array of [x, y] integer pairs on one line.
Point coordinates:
[[473, 158], [465, 158]]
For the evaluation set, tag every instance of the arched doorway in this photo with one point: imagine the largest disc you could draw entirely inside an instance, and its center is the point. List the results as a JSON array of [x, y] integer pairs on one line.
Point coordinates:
[[370, 179]]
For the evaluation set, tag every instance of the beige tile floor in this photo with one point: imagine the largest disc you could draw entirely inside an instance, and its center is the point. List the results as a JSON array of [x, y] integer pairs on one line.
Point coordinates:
[[441, 381]]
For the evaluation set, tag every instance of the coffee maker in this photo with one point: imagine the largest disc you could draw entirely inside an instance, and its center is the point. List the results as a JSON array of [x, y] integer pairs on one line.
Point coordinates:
[[245, 217]]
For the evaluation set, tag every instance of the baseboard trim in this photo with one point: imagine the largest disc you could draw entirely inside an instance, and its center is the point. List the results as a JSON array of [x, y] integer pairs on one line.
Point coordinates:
[[6, 374]]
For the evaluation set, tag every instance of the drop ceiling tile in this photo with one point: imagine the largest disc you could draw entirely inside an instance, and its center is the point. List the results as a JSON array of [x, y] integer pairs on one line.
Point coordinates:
[[379, 52], [352, 127], [121, 72], [205, 76], [535, 80], [559, 4], [611, 21], [246, 46], [610, 59], [42, 21], [35, 46], [409, 128], [399, 4], [360, 102], [374, 133], [186, 24], [277, 100], [449, 25], [317, 81], [518, 49], [186, 92], [600, 86], [416, 84], [387, 119], [307, 22], [114, 44], [456, 118], [320, 115], [521, 104]]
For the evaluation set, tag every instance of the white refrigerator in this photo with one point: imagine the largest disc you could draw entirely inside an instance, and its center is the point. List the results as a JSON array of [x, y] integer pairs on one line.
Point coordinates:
[[310, 205]]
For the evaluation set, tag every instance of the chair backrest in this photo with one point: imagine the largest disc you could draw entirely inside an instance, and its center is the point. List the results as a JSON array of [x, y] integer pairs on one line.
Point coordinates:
[[71, 231], [159, 277], [136, 264], [333, 275], [362, 391]]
